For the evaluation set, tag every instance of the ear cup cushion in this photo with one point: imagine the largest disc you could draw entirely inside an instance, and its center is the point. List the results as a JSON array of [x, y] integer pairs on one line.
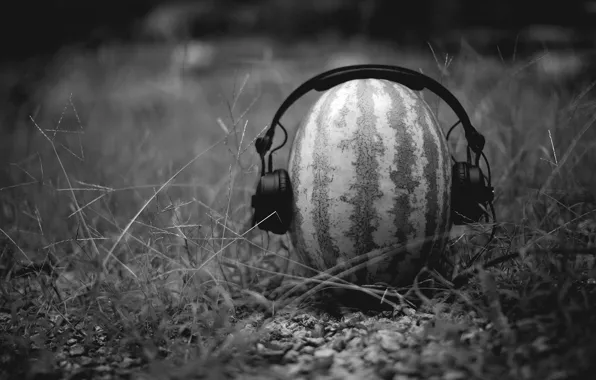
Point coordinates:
[[285, 187], [285, 197], [462, 198], [469, 194], [273, 195], [459, 176], [457, 184]]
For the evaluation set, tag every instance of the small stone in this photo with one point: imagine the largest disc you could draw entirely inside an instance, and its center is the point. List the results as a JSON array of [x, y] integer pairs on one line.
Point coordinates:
[[37, 341], [77, 350], [100, 360], [126, 363], [400, 376], [71, 341], [386, 372], [390, 340], [405, 320], [275, 345], [315, 341], [309, 350], [404, 369], [355, 342], [285, 333], [373, 355], [338, 345], [85, 361], [273, 355], [291, 356], [103, 368], [324, 352], [317, 331], [324, 358], [454, 375], [540, 344]]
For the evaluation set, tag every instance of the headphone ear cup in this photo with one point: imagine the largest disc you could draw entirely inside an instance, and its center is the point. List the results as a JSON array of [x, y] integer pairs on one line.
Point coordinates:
[[483, 194], [468, 194], [273, 202], [458, 197]]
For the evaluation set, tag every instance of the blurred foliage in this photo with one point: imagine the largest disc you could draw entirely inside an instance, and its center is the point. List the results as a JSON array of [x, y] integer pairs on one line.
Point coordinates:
[[43, 26]]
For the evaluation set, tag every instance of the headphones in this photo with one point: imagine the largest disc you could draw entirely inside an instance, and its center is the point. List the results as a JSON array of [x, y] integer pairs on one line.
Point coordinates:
[[471, 191]]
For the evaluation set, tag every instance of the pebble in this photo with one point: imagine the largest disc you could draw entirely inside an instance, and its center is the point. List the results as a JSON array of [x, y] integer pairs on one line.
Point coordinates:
[[338, 345], [315, 341], [324, 358], [85, 361], [317, 331], [355, 343], [103, 368], [373, 355], [291, 356], [285, 332], [400, 376], [77, 350], [324, 352], [454, 375], [390, 341], [127, 362], [404, 369]]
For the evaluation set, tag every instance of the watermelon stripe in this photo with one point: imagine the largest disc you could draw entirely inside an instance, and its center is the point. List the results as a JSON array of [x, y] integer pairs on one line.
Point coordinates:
[[302, 184], [369, 150], [298, 220], [323, 176], [389, 223], [433, 173], [442, 176], [444, 186], [344, 112], [408, 174], [314, 225], [446, 199]]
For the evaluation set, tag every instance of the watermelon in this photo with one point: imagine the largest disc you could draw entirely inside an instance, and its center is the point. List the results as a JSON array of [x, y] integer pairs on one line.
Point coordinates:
[[370, 169]]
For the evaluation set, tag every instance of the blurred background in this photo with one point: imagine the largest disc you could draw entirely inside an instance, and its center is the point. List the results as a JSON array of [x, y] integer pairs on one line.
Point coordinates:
[[129, 92], [30, 27]]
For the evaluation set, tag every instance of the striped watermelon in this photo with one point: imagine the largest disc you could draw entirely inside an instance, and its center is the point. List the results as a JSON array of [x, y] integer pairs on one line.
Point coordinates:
[[370, 169]]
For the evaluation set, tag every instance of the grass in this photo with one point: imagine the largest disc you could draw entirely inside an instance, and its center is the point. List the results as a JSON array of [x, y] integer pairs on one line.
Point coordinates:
[[128, 224]]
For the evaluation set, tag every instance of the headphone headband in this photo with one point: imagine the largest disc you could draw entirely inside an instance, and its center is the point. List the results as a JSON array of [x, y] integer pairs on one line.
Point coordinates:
[[409, 78]]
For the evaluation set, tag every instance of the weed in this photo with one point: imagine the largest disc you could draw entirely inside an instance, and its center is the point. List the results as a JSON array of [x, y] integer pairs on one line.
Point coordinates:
[[130, 237]]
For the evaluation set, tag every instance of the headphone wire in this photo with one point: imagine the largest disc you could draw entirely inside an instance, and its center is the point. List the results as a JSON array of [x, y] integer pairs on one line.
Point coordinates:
[[277, 148]]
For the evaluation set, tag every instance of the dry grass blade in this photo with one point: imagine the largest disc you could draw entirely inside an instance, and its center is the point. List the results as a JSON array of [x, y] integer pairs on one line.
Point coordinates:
[[189, 288], [163, 186]]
